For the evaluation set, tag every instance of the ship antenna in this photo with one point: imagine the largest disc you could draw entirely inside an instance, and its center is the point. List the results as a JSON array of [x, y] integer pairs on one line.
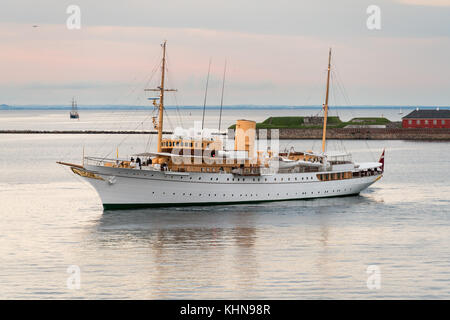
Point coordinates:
[[206, 93], [325, 106], [221, 99]]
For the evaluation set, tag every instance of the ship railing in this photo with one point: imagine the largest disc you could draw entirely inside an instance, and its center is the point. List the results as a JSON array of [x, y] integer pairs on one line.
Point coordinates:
[[116, 163]]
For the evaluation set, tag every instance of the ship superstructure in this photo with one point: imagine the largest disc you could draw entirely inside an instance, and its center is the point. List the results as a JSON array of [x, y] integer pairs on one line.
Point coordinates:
[[201, 170]]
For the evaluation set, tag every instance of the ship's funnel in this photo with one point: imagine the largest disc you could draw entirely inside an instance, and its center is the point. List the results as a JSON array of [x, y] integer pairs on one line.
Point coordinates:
[[245, 137]]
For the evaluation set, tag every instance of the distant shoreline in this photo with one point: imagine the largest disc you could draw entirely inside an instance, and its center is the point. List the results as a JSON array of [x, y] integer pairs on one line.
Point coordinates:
[[213, 107]]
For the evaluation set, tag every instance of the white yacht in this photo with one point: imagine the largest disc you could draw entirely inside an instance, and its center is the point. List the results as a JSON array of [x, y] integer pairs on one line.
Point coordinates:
[[195, 170]]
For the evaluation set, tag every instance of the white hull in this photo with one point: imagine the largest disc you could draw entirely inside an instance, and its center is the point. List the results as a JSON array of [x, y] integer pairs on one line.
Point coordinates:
[[122, 188]]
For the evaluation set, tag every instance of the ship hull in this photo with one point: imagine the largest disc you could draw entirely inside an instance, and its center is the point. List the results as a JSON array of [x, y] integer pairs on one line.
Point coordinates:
[[132, 188]]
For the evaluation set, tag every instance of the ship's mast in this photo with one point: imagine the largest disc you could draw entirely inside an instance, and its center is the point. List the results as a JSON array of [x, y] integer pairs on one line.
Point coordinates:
[[161, 90], [325, 106], [161, 98]]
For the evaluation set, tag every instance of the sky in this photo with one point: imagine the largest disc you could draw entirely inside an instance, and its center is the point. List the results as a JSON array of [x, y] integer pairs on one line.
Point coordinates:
[[276, 52]]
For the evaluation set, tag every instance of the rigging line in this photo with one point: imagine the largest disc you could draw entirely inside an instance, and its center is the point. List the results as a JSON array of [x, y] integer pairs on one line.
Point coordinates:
[[339, 78], [126, 137], [133, 90], [335, 93], [178, 113], [223, 89], [168, 119], [130, 90], [314, 89], [125, 120], [150, 137], [206, 93], [351, 111], [169, 80], [137, 100], [338, 144]]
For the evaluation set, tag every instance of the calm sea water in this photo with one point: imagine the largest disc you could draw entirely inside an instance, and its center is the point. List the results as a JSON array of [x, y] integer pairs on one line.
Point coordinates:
[[51, 220]]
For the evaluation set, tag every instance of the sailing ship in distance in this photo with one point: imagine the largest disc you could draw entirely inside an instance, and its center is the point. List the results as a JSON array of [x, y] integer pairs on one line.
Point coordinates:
[[74, 112]]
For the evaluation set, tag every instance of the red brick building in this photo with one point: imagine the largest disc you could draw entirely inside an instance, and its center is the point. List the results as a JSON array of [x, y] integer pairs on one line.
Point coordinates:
[[427, 119]]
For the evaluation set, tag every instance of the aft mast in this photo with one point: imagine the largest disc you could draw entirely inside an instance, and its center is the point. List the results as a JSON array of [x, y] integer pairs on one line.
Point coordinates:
[[325, 106]]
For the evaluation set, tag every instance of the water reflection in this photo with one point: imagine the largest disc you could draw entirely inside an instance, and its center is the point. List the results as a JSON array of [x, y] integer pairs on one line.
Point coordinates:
[[225, 249], [184, 247]]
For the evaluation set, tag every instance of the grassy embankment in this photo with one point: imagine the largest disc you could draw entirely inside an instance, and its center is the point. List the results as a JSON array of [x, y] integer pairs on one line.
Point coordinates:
[[298, 123]]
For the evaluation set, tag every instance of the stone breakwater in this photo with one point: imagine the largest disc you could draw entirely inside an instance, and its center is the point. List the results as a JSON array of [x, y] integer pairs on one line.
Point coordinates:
[[366, 134], [341, 133]]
